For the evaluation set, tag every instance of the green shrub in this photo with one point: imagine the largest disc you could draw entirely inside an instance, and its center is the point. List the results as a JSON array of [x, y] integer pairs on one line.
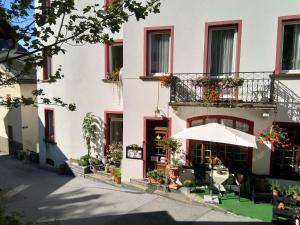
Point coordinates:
[[117, 172], [188, 183], [95, 162], [155, 174]]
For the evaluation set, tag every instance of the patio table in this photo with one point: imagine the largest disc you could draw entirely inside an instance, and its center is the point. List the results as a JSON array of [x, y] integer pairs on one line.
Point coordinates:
[[219, 179]]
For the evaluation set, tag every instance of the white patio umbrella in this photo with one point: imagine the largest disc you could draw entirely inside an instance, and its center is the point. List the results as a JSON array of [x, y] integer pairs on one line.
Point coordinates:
[[214, 132], [219, 133]]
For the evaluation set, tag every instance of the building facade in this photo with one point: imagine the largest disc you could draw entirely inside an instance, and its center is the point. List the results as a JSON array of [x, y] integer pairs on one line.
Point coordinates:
[[253, 40]]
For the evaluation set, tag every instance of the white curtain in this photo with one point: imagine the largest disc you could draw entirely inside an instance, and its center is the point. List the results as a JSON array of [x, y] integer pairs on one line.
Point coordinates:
[[296, 49], [159, 52], [221, 51], [291, 47]]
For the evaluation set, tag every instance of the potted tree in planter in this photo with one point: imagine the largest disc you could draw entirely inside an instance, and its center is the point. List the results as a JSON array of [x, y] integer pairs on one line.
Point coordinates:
[[116, 153], [172, 147], [90, 130]]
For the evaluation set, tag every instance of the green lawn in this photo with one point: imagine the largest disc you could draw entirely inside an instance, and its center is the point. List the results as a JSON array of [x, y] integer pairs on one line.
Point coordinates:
[[245, 207]]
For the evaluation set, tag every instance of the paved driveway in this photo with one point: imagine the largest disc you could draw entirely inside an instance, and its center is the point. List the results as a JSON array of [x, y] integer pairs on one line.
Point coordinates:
[[46, 196]]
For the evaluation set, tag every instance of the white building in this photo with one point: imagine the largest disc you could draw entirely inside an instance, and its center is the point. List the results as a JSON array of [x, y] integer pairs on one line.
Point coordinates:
[[190, 39]]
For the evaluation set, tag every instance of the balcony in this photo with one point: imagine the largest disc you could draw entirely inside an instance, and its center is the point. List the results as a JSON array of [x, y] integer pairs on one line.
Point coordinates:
[[247, 89]]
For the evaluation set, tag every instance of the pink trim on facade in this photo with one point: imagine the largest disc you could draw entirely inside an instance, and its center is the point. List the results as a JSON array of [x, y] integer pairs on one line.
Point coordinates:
[[106, 113], [107, 56], [46, 128], [145, 137], [147, 30], [281, 20], [237, 23]]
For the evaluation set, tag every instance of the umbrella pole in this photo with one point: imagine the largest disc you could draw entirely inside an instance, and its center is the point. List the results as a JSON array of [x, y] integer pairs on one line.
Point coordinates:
[[211, 175]]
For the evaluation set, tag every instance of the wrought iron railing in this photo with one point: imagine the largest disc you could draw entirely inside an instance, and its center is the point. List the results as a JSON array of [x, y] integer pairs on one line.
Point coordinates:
[[242, 87]]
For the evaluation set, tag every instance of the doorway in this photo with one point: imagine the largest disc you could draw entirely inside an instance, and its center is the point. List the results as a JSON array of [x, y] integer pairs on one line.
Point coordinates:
[[154, 130]]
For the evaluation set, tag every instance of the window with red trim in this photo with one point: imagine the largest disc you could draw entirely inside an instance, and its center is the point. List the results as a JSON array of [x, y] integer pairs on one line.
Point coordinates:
[[47, 65], [158, 52], [113, 60], [49, 125], [45, 5], [114, 128], [286, 162], [290, 53], [233, 157]]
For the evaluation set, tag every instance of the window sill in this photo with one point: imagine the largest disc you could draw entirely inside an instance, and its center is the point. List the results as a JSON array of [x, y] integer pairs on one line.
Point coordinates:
[[287, 76], [149, 78], [110, 81]]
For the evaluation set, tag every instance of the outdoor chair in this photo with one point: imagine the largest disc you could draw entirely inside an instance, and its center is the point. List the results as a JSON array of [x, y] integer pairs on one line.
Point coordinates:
[[261, 189], [234, 183], [199, 173]]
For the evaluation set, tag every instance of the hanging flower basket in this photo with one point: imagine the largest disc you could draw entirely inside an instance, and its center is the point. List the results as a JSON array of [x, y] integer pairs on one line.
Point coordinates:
[[274, 135], [166, 80]]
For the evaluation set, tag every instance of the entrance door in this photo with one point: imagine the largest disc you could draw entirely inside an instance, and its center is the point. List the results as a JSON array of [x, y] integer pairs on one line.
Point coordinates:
[[155, 156], [10, 140]]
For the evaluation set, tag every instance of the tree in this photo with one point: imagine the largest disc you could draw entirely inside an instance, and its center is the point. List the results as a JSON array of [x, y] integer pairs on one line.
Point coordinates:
[[90, 129], [45, 29]]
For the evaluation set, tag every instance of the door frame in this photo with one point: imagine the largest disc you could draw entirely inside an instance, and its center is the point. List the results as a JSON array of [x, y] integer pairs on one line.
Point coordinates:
[[146, 119]]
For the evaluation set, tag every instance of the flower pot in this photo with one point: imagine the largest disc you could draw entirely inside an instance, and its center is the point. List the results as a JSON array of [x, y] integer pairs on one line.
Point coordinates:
[[173, 176], [117, 180], [275, 193], [280, 205], [152, 181], [296, 197]]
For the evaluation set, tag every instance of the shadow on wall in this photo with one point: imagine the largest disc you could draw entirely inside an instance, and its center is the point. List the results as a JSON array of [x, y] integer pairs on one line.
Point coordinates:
[[51, 155], [288, 103], [99, 145], [11, 142]]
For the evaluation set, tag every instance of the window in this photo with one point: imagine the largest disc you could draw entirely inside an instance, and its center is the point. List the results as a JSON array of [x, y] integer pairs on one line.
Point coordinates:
[[47, 65], [49, 125], [114, 59], [222, 45], [286, 162], [290, 59], [234, 157], [159, 50], [45, 5], [114, 128]]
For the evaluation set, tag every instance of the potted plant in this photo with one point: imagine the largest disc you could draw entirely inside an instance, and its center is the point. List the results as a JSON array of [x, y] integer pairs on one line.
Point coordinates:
[[166, 80], [274, 135], [172, 146], [116, 153], [90, 130], [275, 188], [188, 184], [94, 164], [114, 75], [155, 176], [116, 175]]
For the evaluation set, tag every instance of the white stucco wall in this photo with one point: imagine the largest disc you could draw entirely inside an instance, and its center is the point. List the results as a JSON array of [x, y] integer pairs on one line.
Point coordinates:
[[83, 67]]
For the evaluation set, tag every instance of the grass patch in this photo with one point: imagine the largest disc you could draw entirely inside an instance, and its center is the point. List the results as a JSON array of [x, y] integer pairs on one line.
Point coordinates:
[[245, 207]]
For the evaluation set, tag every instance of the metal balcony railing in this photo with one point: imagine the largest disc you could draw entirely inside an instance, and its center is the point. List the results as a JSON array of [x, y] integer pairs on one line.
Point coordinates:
[[244, 88]]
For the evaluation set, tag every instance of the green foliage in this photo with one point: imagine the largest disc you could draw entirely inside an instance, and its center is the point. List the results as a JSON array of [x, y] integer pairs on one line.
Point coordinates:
[[90, 130], [116, 151], [275, 185], [292, 189], [170, 144], [84, 160], [48, 29], [94, 161], [188, 183], [116, 172], [155, 174]]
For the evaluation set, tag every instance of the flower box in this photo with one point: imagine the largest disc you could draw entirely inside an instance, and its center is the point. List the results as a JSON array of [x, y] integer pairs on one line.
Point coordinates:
[[76, 170]]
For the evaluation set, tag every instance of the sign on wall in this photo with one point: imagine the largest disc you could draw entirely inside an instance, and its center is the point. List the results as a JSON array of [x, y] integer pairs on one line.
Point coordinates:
[[134, 152]]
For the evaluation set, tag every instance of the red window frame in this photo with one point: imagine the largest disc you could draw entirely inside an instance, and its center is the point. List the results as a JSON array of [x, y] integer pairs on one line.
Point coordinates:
[[49, 137], [148, 30], [107, 56], [106, 128], [281, 21], [208, 25], [47, 65]]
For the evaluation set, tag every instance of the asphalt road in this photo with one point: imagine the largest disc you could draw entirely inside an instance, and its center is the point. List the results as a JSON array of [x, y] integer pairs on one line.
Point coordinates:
[[45, 196]]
